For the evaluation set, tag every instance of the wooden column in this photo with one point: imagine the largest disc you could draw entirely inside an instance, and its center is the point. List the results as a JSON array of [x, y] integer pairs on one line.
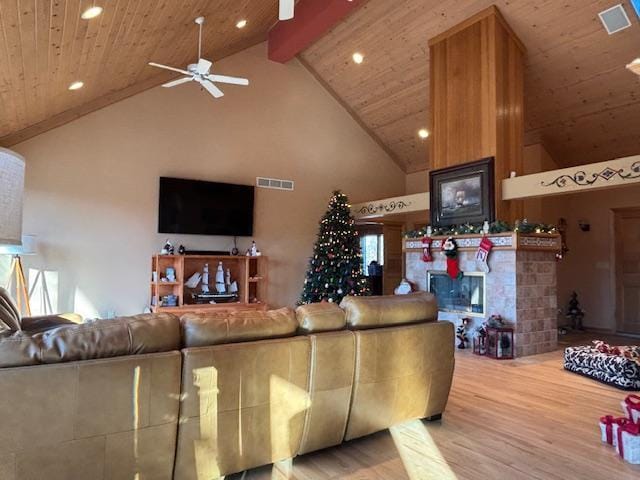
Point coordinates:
[[476, 89]]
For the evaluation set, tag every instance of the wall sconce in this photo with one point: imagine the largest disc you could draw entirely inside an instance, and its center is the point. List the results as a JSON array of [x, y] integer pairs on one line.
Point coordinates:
[[584, 225]]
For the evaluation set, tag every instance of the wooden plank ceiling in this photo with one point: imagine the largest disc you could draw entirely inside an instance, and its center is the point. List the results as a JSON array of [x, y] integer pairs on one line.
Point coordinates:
[[581, 102], [45, 46]]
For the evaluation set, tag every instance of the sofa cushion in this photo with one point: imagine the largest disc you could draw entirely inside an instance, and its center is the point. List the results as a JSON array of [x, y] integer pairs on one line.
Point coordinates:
[[372, 312], [320, 317], [138, 334], [9, 315], [213, 328]]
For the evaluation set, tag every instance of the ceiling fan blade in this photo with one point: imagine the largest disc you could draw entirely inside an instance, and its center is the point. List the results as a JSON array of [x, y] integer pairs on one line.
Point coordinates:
[[179, 81], [184, 72], [203, 66], [211, 88], [226, 79], [287, 9]]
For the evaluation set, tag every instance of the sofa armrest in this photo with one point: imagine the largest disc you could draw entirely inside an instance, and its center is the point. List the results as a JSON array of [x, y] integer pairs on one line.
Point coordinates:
[[45, 322]]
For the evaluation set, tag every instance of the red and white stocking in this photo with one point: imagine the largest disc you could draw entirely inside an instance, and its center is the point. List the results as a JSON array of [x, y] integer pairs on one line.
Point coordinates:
[[482, 255], [427, 256]]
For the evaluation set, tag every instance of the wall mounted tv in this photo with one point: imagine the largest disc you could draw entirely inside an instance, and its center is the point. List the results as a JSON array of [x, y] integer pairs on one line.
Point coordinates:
[[205, 208]]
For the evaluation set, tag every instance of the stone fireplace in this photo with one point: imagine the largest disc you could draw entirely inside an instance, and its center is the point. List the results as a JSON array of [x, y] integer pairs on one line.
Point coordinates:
[[520, 286]]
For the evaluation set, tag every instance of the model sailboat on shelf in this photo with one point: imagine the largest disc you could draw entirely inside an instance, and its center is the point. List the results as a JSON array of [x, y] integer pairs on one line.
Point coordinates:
[[225, 289]]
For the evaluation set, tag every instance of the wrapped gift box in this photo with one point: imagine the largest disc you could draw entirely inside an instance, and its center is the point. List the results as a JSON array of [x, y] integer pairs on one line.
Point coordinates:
[[609, 426], [631, 407], [629, 442]]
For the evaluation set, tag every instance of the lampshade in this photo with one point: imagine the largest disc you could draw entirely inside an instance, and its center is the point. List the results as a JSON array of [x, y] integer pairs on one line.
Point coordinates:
[[28, 247], [11, 191]]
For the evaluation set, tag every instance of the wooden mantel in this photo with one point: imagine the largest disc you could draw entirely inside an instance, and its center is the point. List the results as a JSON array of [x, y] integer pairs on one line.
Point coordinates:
[[550, 242], [477, 99]]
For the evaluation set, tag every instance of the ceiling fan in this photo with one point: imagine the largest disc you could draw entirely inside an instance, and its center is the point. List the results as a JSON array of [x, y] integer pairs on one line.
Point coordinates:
[[287, 8], [199, 72]]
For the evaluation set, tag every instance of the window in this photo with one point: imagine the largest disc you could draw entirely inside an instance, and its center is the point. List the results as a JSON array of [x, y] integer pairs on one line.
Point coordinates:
[[372, 247]]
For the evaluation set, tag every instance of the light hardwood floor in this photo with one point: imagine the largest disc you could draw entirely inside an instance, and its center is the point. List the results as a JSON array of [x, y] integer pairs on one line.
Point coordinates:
[[522, 419]]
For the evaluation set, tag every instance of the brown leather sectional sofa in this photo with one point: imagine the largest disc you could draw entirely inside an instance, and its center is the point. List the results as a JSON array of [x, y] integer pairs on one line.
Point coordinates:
[[196, 398]]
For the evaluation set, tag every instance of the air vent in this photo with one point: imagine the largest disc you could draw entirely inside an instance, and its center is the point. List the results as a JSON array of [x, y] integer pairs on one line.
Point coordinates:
[[615, 19], [275, 183]]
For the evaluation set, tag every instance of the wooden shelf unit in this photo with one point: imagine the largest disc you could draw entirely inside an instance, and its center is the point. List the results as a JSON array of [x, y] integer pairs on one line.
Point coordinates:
[[249, 272]]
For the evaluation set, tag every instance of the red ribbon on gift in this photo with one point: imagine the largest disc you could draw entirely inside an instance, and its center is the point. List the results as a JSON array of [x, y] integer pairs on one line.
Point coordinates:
[[609, 421], [632, 402], [629, 427]]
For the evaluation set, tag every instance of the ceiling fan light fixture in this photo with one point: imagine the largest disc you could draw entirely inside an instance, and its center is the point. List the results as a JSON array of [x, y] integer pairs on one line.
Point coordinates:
[[241, 23], [91, 12], [76, 85], [358, 58], [423, 133], [200, 72]]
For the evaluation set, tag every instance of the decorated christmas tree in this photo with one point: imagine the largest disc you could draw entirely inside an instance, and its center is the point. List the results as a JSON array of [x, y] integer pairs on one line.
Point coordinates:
[[335, 269]]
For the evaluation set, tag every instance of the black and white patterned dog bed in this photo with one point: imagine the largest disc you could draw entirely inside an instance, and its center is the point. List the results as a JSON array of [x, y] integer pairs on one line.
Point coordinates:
[[614, 370]]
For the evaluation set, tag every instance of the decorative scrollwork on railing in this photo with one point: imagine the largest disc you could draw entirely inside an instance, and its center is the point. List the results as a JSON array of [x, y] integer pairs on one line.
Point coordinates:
[[584, 179], [372, 208]]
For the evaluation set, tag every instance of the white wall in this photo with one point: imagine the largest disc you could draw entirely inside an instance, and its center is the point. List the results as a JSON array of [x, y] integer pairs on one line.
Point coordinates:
[[589, 267], [92, 185]]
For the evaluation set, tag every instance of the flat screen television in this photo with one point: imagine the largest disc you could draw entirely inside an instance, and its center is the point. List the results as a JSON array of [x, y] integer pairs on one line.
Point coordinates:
[[205, 208]]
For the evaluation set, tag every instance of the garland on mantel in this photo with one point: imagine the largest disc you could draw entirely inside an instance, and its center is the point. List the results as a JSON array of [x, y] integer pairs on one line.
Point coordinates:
[[521, 226]]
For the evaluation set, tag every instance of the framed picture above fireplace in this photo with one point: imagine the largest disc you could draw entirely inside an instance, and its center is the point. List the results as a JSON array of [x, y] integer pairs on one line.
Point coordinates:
[[462, 194]]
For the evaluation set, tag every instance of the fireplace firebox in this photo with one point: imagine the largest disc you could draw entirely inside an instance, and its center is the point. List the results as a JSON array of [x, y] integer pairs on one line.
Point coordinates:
[[465, 295]]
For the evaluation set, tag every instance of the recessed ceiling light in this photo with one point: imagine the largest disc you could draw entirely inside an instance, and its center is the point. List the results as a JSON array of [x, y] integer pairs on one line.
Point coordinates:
[[92, 12], [358, 58], [423, 133], [76, 85], [241, 24]]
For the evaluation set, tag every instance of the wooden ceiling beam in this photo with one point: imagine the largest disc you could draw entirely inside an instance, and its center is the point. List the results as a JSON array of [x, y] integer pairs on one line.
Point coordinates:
[[312, 20]]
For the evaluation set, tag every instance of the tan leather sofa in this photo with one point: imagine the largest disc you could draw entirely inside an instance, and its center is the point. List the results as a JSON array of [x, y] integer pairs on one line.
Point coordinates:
[[118, 399], [256, 393]]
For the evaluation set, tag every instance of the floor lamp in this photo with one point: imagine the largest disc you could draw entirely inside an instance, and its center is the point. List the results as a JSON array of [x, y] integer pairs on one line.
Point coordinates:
[[11, 192], [16, 271]]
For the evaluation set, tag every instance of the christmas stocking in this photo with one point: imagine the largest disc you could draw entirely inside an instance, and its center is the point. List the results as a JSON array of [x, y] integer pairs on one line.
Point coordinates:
[[453, 269], [450, 249], [426, 249], [482, 255]]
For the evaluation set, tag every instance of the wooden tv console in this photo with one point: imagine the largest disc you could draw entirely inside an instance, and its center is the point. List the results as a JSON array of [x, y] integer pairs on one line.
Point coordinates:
[[249, 272]]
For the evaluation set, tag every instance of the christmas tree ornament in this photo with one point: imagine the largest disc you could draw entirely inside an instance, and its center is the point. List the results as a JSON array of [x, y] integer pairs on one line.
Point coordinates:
[[482, 254], [426, 249], [450, 249]]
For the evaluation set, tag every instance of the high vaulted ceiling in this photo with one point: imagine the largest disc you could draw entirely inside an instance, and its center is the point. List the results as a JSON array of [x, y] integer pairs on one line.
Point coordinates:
[[45, 46], [580, 101]]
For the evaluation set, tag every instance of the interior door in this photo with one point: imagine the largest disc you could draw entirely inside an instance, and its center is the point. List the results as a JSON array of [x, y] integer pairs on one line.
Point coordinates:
[[392, 272], [627, 245]]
